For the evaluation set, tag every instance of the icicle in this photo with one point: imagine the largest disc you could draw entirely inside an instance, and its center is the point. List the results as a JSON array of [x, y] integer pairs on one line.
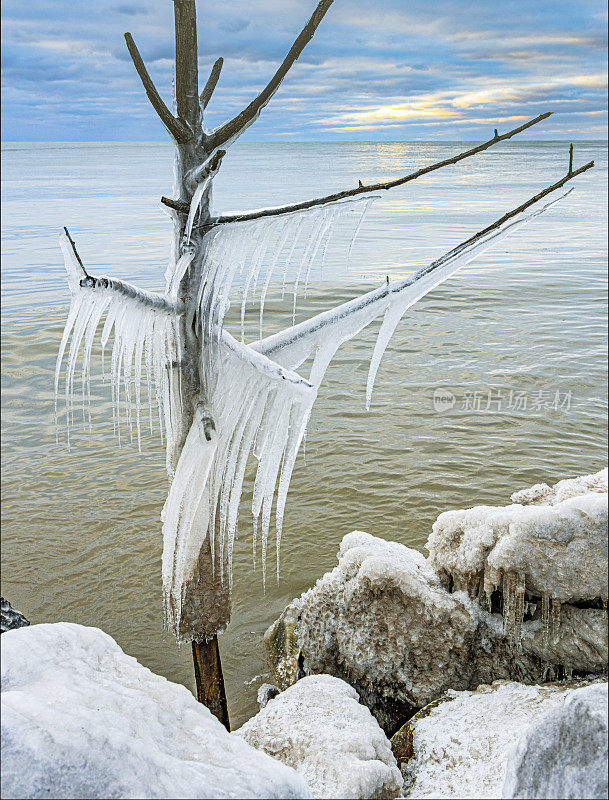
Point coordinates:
[[283, 235], [509, 618], [520, 589], [326, 222], [195, 204], [308, 253], [297, 229], [545, 616], [255, 264], [489, 588], [555, 613], [181, 269], [367, 205]]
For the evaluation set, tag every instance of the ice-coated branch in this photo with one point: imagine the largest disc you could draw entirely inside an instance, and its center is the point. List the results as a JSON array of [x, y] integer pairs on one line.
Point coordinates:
[[75, 251], [318, 325], [176, 127], [209, 87], [361, 189], [228, 132]]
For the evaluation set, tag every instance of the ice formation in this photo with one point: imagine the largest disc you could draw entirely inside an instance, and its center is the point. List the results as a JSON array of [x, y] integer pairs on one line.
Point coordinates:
[[382, 621], [403, 629], [539, 555], [82, 719], [460, 747], [564, 754], [250, 398], [319, 728]]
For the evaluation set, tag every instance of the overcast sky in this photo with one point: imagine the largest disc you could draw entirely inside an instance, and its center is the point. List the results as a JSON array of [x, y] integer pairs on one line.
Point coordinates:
[[375, 70]]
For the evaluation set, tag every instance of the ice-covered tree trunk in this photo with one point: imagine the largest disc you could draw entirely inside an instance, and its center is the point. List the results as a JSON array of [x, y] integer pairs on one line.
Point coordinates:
[[205, 608]]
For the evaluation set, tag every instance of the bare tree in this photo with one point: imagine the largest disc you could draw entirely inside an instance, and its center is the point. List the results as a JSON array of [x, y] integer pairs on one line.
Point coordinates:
[[216, 395]]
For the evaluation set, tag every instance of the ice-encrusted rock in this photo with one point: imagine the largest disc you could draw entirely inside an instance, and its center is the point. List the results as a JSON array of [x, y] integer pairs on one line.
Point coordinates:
[[82, 719], [382, 621], [10, 618], [557, 550], [563, 490], [513, 593], [281, 643], [565, 753], [318, 727], [460, 746]]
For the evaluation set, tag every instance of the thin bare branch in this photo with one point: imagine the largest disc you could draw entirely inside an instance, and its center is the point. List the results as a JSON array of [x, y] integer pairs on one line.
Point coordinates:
[[361, 189], [236, 126], [75, 251], [209, 87], [498, 223], [178, 129], [321, 323]]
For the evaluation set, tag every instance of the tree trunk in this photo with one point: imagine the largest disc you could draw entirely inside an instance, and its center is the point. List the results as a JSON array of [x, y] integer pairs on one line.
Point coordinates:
[[206, 606], [209, 678]]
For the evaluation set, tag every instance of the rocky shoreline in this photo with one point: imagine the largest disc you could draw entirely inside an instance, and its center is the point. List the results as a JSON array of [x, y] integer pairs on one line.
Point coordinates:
[[485, 662]]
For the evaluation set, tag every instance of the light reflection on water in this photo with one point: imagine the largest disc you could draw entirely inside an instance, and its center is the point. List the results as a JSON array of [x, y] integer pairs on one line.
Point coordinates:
[[81, 532]]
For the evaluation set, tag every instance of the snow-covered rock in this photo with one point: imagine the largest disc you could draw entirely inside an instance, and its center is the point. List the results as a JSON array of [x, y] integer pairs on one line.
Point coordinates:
[[565, 753], [554, 548], [80, 719], [382, 621], [563, 490], [459, 747], [512, 593], [318, 727]]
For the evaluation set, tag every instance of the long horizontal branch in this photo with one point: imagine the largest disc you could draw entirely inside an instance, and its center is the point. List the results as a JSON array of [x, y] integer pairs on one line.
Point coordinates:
[[273, 345], [178, 129], [236, 126], [209, 87], [375, 187]]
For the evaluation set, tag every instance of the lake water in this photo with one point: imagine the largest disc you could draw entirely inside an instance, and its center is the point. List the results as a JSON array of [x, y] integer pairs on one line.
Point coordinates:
[[525, 323]]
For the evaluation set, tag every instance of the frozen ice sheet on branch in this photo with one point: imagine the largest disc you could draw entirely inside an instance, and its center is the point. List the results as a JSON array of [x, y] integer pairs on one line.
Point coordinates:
[[144, 350], [259, 408]]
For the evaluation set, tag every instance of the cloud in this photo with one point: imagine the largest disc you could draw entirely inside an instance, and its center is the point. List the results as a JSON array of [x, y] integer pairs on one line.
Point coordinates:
[[375, 69]]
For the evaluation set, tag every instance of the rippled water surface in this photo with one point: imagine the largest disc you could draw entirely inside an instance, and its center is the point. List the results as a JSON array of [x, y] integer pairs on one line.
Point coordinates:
[[515, 342]]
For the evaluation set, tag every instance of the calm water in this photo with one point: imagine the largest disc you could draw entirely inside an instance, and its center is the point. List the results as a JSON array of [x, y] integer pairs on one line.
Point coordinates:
[[81, 532]]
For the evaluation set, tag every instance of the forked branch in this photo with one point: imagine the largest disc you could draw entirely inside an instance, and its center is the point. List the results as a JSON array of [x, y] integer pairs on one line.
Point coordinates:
[[361, 189], [176, 127], [236, 126], [209, 87]]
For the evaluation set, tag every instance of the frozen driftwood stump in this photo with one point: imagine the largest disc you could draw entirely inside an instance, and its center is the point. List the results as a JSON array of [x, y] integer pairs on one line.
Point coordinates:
[[220, 399]]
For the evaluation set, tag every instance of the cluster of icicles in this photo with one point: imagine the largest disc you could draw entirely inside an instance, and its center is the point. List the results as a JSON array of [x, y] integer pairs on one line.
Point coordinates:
[[515, 606], [256, 401]]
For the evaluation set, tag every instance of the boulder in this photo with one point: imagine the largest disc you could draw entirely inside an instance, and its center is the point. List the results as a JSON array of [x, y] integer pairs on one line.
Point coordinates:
[[80, 719], [459, 746], [507, 593], [563, 755], [319, 728]]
